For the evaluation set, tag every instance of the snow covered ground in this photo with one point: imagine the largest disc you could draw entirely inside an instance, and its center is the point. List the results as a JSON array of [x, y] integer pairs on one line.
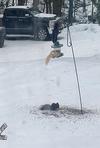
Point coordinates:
[[26, 83]]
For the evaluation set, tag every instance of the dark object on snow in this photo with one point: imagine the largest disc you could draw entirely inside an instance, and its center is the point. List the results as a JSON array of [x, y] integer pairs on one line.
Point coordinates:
[[53, 106], [2, 128], [45, 107], [2, 36]]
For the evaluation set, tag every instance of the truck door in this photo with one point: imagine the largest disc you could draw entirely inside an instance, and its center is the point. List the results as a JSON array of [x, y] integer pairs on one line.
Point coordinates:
[[10, 21], [25, 20]]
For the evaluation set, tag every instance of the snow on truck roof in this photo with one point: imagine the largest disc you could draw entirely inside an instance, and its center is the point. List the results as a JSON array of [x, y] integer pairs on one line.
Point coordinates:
[[45, 15], [18, 7], [37, 15]]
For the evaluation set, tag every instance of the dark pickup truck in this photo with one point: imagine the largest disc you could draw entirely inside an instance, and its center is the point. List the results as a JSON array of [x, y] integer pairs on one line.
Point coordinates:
[[23, 20]]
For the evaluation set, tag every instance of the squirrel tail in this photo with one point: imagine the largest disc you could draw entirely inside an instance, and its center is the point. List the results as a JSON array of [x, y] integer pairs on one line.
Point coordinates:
[[48, 59]]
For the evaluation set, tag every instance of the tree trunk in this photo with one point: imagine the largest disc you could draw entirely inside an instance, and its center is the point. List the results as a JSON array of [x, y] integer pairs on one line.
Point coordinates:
[[94, 2], [21, 2], [35, 4], [26, 2], [92, 12], [57, 5], [13, 3], [49, 3], [47, 8], [70, 13], [84, 6], [98, 11]]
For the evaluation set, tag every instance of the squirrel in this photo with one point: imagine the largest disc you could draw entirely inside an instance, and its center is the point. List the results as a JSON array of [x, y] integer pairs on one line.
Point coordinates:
[[53, 106], [53, 54]]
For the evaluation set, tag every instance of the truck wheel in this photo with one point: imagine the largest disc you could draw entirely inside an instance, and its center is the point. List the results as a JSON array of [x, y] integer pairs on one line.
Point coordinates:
[[1, 43], [2, 36], [42, 34]]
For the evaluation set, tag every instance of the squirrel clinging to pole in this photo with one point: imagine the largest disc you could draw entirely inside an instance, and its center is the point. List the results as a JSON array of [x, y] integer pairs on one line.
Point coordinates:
[[56, 52]]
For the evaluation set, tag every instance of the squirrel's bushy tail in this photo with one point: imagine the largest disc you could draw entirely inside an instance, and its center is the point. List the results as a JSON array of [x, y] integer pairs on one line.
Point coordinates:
[[53, 54]]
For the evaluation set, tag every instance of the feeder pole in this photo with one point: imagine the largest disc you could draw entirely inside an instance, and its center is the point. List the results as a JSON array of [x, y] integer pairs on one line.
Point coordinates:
[[69, 44]]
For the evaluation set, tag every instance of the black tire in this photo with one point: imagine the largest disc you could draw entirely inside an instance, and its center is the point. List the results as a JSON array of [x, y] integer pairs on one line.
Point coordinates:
[[42, 34], [1, 43], [2, 36]]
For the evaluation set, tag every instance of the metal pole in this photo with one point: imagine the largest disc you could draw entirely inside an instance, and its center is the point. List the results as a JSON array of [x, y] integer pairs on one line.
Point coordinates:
[[69, 44]]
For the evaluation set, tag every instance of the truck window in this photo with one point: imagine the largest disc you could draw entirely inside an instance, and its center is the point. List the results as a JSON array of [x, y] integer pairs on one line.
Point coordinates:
[[11, 12], [23, 13]]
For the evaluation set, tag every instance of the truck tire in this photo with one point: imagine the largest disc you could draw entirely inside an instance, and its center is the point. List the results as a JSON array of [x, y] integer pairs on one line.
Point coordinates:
[[2, 36], [1, 43], [42, 34]]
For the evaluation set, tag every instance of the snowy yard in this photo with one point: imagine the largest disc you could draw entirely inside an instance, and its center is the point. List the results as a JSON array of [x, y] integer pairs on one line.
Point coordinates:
[[26, 83]]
